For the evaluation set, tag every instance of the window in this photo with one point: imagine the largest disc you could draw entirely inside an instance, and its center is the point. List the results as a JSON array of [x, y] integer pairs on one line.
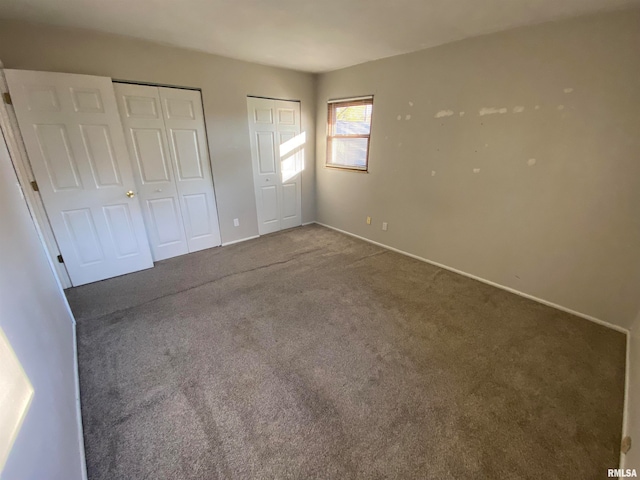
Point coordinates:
[[349, 132]]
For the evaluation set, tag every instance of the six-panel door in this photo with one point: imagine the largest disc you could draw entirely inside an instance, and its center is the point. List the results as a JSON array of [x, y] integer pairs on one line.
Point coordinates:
[[153, 169], [277, 151], [184, 121], [166, 137], [74, 139]]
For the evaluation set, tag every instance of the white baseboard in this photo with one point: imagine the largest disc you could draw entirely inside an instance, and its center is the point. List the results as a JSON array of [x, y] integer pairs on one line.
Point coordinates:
[[76, 368], [488, 282], [625, 410], [309, 223], [79, 410], [238, 241]]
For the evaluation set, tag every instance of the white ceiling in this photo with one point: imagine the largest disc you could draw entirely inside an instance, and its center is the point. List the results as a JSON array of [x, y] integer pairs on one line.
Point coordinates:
[[309, 35]]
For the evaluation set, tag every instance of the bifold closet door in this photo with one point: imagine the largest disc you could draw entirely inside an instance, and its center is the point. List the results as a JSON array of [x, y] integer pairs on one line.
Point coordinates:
[[74, 139], [277, 152], [166, 137], [184, 121], [143, 122]]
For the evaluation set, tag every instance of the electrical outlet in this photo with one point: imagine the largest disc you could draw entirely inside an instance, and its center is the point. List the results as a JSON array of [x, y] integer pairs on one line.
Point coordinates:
[[368, 220], [384, 226], [236, 222]]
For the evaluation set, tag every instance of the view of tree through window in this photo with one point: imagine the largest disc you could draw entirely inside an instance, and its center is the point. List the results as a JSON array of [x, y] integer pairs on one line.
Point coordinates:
[[349, 132]]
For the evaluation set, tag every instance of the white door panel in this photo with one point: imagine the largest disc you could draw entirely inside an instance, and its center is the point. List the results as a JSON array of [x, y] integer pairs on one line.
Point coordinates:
[[291, 162], [166, 221], [86, 100], [121, 229], [61, 167], [266, 153], [85, 240], [269, 197], [262, 127], [184, 144], [99, 150], [277, 150], [145, 105], [197, 214], [184, 121], [287, 115], [73, 136], [262, 111], [150, 155], [289, 194], [153, 171], [180, 108]]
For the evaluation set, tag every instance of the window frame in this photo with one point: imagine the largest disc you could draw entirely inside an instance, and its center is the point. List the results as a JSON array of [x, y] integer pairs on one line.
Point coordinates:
[[347, 102]]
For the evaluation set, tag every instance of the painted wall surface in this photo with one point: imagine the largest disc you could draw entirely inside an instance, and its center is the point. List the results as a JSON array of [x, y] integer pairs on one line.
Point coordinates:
[[513, 157], [225, 84], [632, 428], [38, 324]]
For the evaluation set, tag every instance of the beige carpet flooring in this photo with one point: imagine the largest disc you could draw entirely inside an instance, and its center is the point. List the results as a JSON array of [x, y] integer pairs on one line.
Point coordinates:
[[308, 354]]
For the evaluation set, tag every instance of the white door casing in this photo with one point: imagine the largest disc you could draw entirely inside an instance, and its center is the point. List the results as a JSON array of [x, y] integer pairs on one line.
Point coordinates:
[[277, 152], [184, 121], [153, 170], [74, 139]]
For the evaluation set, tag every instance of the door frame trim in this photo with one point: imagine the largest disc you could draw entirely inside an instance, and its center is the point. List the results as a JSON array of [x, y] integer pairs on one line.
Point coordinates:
[[278, 100], [24, 172], [151, 84]]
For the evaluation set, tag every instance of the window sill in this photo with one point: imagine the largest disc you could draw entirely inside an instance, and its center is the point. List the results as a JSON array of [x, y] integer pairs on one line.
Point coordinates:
[[347, 169]]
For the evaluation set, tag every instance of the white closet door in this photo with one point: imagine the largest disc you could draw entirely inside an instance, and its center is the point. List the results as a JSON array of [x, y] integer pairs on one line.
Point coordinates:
[[74, 139], [291, 155], [264, 144], [153, 169], [184, 121], [277, 152]]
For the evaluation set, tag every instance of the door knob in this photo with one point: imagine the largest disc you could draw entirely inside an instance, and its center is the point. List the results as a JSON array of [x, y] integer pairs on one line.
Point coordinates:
[[130, 194]]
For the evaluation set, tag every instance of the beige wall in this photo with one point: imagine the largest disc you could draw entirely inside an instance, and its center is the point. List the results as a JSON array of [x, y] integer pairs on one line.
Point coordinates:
[[38, 324], [566, 229], [225, 83]]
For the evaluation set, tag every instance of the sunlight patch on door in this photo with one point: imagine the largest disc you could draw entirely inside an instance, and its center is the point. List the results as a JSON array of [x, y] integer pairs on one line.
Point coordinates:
[[292, 156]]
